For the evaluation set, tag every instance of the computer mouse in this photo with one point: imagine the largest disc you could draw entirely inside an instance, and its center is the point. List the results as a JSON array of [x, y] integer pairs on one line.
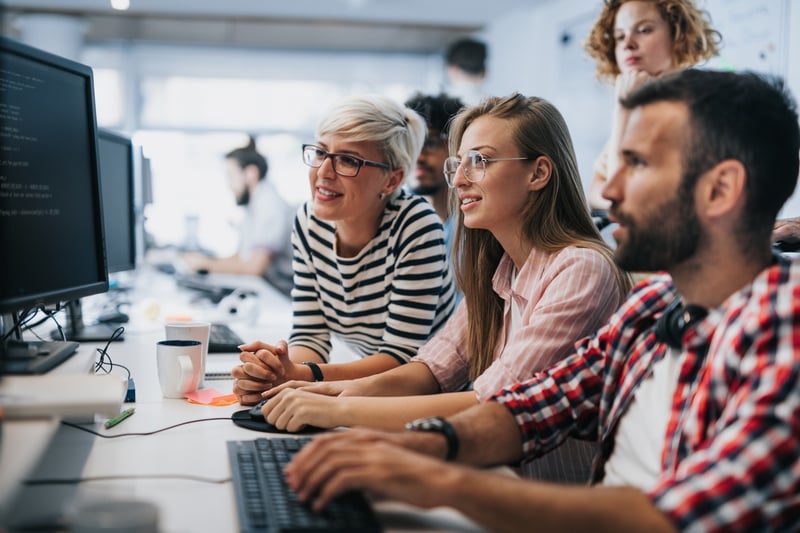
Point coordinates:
[[253, 419], [113, 317], [255, 411]]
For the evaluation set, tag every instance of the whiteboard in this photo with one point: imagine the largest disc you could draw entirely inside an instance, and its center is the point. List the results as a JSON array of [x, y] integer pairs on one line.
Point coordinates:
[[754, 34]]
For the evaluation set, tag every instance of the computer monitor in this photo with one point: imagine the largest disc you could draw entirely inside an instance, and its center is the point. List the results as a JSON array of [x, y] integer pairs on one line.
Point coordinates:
[[144, 197], [116, 157], [119, 206], [51, 218]]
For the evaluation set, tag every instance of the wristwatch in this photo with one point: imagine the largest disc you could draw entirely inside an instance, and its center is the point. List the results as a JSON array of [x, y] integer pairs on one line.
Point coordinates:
[[438, 424], [316, 371]]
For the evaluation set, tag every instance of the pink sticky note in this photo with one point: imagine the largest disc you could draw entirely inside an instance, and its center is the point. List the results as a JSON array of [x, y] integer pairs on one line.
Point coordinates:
[[210, 397]]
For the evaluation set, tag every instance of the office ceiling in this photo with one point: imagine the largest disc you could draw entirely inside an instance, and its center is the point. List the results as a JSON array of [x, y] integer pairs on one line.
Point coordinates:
[[420, 26]]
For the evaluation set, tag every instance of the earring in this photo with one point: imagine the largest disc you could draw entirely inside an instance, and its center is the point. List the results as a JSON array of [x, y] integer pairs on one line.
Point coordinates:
[[381, 196]]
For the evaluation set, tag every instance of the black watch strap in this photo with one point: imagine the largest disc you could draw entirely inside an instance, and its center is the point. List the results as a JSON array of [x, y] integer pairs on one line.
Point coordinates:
[[316, 371], [439, 425]]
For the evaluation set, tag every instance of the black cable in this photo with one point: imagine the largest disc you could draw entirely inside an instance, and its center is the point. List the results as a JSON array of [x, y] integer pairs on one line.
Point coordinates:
[[52, 314], [101, 362], [19, 322], [142, 434], [48, 314]]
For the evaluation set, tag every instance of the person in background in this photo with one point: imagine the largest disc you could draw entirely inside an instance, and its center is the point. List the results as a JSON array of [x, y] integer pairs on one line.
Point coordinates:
[[265, 235], [465, 63], [534, 270], [370, 265], [634, 41], [691, 388], [429, 178]]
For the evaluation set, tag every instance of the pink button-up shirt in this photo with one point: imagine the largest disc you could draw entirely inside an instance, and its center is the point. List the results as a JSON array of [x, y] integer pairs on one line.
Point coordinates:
[[561, 297]]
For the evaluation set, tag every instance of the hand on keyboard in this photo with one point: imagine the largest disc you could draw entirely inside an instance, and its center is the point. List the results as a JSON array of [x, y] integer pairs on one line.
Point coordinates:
[[381, 463], [266, 503]]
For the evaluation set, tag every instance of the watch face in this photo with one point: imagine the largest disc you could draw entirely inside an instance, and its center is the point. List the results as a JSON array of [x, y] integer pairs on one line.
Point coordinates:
[[426, 424]]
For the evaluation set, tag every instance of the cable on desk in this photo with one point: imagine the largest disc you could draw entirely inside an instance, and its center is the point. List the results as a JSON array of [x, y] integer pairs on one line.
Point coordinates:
[[101, 362], [141, 434], [75, 481]]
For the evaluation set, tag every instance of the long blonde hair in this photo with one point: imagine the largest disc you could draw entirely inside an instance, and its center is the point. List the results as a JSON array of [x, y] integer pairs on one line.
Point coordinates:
[[556, 216]]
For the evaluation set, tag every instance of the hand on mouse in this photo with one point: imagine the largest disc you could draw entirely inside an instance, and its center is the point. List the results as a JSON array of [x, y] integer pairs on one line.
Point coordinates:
[[294, 409], [263, 366]]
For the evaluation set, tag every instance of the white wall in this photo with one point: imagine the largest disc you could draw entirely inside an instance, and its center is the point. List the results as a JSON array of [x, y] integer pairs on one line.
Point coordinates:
[[792, 207]]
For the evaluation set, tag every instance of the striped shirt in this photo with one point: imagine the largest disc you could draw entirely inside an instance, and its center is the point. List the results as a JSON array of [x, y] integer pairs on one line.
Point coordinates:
[[388, 299], [731, 454], [562, 296]]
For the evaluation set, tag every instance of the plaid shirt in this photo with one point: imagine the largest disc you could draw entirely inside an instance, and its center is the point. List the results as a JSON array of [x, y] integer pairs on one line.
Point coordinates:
[[731, 456]]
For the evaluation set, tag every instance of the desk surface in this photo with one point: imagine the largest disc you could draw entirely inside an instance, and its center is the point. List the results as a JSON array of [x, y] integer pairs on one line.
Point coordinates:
[[184, 470]]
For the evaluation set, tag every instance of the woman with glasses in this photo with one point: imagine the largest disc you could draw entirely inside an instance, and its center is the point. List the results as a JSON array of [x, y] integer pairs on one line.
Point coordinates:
[[634, 41], [370, 266], [534, 270]]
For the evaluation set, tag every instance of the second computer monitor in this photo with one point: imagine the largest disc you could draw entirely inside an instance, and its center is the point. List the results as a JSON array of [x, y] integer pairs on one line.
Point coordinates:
[[115, 153]]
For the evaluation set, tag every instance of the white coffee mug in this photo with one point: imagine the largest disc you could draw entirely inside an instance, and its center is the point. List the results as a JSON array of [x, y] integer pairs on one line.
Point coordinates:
[[191, 331], [180, 367]]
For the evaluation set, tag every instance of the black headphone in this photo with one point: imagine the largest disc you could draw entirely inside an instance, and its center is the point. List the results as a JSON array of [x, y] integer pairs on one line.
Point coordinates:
[[675, 320]]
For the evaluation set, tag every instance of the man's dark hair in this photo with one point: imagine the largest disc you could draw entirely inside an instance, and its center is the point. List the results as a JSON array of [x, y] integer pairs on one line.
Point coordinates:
[[436, 110], [748, 117], [469, 55], [247, 156]]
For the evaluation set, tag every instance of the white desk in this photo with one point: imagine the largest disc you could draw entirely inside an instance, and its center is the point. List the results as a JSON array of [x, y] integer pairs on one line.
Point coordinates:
[[141, 466]]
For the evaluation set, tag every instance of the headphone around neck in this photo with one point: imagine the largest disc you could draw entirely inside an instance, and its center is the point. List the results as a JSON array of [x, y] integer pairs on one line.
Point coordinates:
[[675, 320]]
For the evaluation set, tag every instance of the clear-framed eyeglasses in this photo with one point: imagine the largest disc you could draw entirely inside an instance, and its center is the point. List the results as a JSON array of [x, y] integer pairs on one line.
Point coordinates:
[[474, 166], [345, 165]]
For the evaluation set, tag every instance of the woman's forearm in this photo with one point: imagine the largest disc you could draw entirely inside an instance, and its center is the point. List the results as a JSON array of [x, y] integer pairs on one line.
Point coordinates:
[[392, 413]]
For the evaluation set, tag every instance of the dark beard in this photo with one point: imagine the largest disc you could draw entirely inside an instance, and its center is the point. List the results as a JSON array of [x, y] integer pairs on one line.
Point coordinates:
[[244, 198], [670, 235]]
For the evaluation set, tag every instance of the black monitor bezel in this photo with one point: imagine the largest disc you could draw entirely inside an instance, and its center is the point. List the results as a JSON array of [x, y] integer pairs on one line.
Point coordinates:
[[11, 303], [117, 138]]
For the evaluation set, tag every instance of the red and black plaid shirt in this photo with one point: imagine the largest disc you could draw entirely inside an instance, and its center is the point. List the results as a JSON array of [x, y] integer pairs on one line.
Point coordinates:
[[731, 456]]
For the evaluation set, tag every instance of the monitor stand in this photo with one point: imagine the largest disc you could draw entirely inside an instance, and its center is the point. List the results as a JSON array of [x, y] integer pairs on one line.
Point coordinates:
[[76, 330], [18, 356], [33, 357]]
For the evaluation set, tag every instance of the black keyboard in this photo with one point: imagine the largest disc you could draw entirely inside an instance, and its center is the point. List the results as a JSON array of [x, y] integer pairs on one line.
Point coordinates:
[[222, 339], [203, 285], [266, 503]]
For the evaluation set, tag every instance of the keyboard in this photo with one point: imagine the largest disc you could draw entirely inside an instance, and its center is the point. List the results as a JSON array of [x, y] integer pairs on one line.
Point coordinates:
[[204, 285], [266, 503], [222, 339]]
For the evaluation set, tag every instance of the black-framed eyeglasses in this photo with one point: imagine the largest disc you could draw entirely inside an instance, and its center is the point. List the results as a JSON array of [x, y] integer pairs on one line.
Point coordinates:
[[343, 164], [474, 166]]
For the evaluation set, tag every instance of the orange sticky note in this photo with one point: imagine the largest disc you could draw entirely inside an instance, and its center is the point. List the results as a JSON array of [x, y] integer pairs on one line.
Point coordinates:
[[211, 397]]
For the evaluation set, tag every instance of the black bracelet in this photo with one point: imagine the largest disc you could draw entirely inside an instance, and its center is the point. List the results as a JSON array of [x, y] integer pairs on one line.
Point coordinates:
[[316, 371]]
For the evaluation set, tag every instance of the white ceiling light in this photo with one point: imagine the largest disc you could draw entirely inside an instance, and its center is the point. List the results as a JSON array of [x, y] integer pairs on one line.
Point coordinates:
[[121, 5]]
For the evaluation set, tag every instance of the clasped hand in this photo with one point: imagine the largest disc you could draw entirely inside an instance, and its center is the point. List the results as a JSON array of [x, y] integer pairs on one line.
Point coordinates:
[[263, 367]]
